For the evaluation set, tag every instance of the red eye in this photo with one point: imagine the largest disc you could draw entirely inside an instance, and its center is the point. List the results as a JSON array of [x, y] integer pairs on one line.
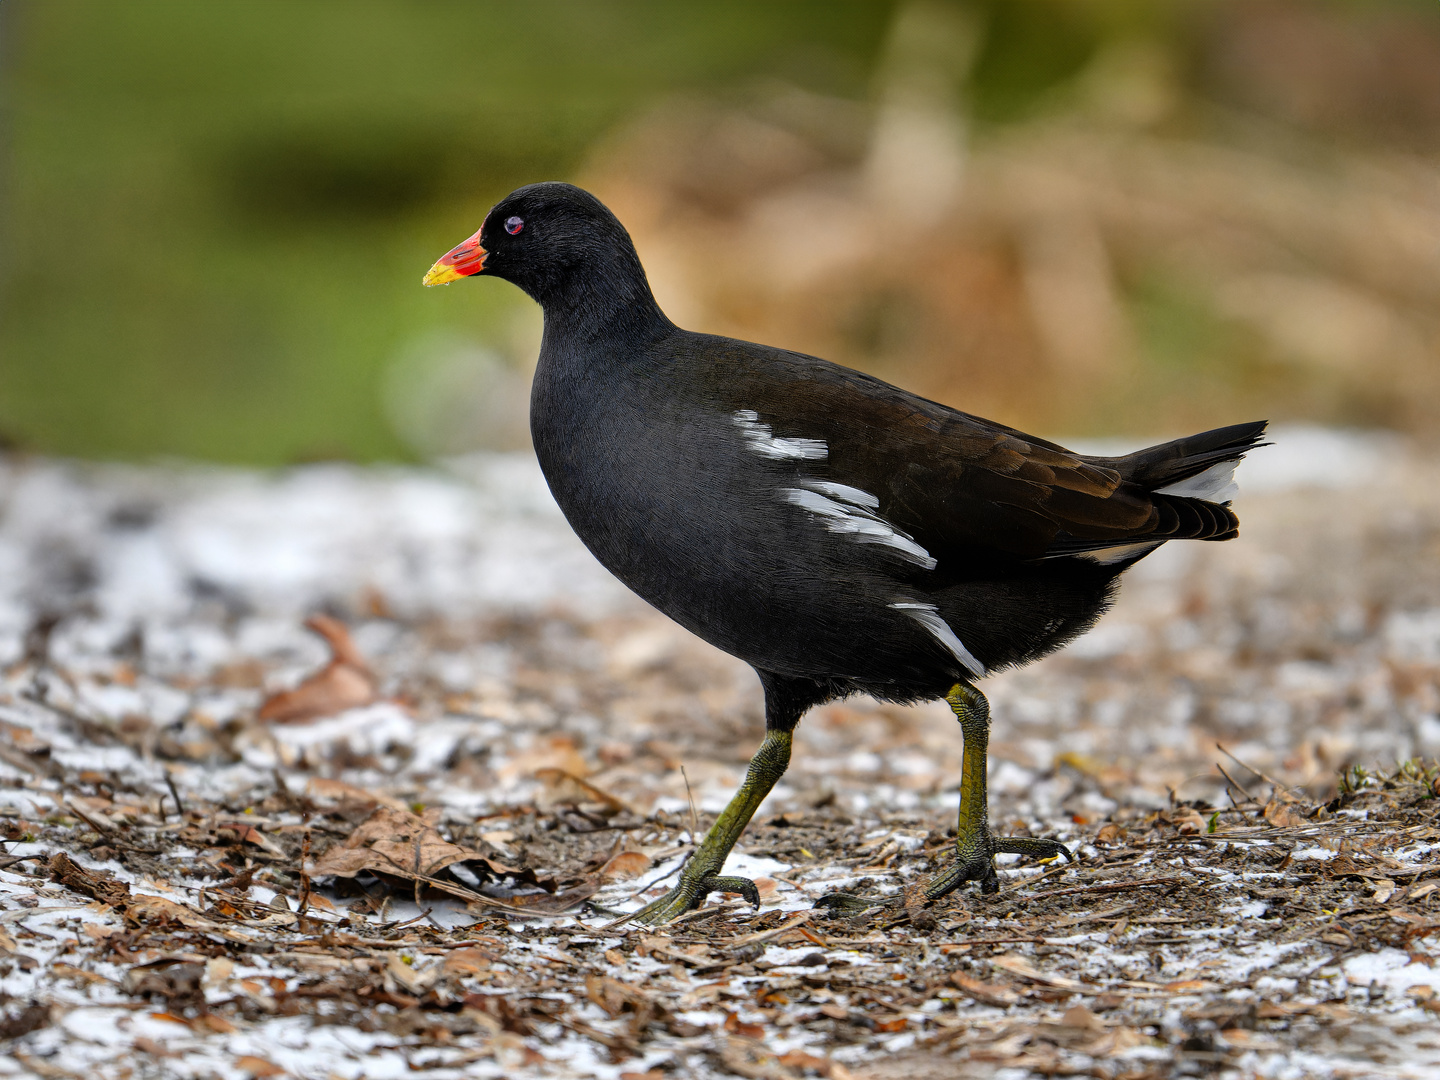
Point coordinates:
[[513, 225]]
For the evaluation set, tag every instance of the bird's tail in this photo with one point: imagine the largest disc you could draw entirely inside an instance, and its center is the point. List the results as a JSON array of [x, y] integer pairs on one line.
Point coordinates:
[[1196, 467]]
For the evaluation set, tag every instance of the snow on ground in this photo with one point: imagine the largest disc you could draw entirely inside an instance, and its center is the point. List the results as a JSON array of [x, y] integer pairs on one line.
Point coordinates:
[[528, 710]]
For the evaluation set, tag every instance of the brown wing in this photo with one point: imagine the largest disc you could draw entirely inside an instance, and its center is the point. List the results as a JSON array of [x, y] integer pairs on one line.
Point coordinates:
[[957, 483]]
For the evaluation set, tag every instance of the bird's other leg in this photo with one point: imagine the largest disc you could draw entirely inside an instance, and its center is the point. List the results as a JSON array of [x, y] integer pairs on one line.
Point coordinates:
[[701, 875], [975, 845]]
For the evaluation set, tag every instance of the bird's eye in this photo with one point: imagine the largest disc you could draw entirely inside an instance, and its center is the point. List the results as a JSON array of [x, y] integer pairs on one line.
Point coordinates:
[[513, 225]]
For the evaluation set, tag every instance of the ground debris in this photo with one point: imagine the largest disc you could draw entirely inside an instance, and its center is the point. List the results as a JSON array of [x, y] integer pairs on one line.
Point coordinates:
[[429, 881]]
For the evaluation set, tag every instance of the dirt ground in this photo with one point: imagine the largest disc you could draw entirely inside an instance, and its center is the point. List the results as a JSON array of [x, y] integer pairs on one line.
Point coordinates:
[[232, 849]]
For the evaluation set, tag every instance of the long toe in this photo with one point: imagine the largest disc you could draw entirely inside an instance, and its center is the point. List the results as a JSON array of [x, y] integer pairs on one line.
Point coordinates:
[[979, 866], [1036, 847], [689, 895]]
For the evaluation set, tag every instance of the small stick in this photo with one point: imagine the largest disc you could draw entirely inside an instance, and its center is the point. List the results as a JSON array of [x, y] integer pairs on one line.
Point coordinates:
[[1236, 785], [98, 826], [304, 876], [694, 817], [174, 794], [1269, 780]]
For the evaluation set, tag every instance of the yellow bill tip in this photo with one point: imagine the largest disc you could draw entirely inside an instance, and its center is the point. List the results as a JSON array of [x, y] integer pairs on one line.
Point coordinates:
[[440, 274]]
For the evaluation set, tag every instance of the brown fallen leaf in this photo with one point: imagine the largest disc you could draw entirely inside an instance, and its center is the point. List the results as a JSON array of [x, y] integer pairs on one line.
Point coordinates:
[[395, 842], [564, 788], [258, 1066], [615, 996], [1078, 1016], [246, 833], [1188, 986], [1188, 821], [1280, 815], [151, 1047], [627, 864], [346, 682], [1110, 834], [463, 962], [400, 844], [735, 1026], [1026, 969], [986, 993], [555, 752], [326, 791]]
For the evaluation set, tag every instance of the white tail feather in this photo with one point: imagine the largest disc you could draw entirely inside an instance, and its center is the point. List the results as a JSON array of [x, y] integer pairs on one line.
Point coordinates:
[[1216, 484]]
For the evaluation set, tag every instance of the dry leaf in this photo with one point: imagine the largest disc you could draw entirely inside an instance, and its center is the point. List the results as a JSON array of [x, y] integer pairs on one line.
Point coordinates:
[[627, 864], [1423, 890], [248, 834], [1384, 889], [1189, 986], [394, 842], [1188, 821], [1078, 1016], [1110, 834], [1281, 816], [466, 962], [986, 993], [1019, 965], [397, 843], [565, 788], [322, 790], [258, 1066], [346, 682], [555, 752], [615, 996], [735, 1026]]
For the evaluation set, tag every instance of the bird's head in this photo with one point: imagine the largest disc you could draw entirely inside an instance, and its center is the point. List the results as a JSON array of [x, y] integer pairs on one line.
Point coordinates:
[[539, 237]]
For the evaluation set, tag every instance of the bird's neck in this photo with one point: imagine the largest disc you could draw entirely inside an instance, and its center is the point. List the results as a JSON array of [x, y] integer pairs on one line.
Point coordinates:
[[611, 300]]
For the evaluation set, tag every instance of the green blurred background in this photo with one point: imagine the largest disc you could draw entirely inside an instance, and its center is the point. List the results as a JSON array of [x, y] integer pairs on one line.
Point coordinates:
[[216, 215]]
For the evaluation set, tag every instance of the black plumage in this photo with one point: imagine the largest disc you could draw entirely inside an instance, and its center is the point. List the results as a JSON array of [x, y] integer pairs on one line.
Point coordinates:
[[837, 533]]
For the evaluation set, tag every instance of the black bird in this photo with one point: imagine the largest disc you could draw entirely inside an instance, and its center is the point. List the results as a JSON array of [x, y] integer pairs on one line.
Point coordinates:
[[838, 534]]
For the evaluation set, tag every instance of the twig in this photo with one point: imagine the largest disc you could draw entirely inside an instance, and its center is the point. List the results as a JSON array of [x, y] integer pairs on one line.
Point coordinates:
[[304, 875], [94, 823], [1109, 886], [174, 794], [1256, 772], [694, 817], [1236, 785]]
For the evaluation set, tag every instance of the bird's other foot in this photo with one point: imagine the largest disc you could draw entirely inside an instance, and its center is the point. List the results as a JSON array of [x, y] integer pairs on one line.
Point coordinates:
[[689, 894], [975, 861]]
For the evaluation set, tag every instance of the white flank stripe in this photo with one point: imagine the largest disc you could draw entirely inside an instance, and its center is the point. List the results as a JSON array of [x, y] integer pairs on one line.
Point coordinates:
[[928, 616], [857, 520], [764, 443], [1119, 553], [846, 493], [1216, 484]]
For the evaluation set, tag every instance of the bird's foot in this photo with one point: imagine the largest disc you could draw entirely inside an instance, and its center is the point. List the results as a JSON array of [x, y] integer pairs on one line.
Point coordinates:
[[689, 894], [975, 861]]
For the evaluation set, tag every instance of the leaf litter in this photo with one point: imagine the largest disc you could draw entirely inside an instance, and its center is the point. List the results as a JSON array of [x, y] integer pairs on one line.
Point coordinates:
[[425, 877]]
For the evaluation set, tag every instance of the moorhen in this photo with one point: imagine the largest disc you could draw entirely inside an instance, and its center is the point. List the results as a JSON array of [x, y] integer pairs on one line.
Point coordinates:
[[838, 534]]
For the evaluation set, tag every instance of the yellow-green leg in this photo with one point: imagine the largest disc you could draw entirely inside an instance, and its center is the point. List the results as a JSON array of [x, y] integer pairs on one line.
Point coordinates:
[[975, 845], [701, 874]]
